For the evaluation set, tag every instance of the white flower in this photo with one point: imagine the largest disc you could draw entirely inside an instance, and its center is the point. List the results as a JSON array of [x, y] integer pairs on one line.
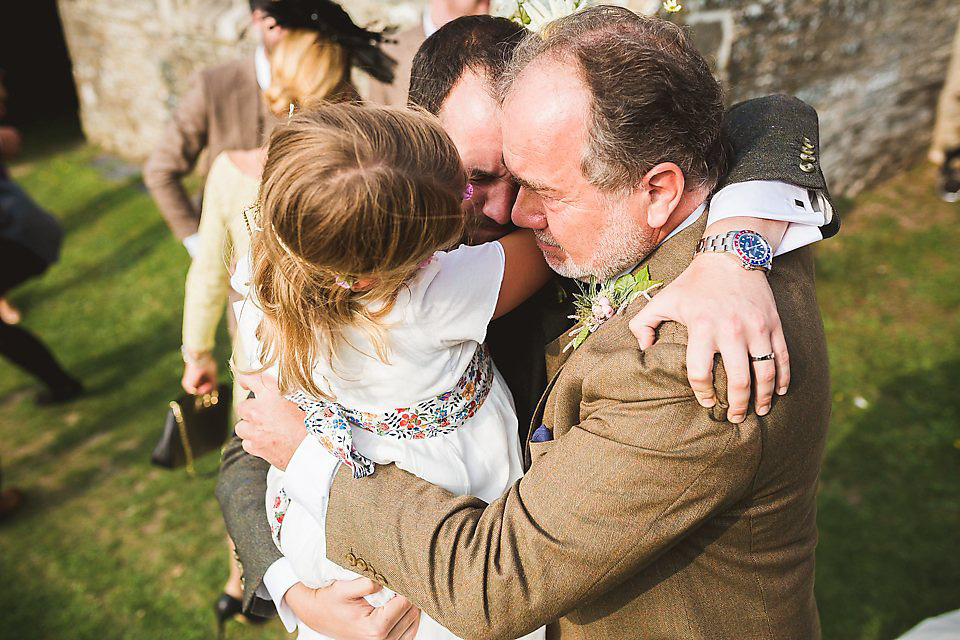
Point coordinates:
[[536, 14], [505, 8]]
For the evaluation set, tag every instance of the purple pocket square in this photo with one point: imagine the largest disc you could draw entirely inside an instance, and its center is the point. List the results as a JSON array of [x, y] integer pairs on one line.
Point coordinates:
[[542, 434]]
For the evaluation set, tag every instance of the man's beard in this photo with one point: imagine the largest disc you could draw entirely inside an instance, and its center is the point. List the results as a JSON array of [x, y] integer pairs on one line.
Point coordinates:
[[621, 245]]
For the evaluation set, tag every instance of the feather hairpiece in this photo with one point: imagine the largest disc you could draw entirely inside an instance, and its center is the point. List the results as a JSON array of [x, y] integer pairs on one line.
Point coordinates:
[[331, 21]]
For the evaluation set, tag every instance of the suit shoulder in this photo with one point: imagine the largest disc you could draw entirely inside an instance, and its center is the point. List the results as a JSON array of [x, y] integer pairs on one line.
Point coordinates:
[[229, 73]]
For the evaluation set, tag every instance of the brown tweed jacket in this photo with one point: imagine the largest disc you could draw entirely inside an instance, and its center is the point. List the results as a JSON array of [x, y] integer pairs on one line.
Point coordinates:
[[402, 48], [221, 110], [646, 516]]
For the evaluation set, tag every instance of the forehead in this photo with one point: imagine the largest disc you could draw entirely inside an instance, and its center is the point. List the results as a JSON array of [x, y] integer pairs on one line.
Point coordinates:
[[470, 116], [543, 120]]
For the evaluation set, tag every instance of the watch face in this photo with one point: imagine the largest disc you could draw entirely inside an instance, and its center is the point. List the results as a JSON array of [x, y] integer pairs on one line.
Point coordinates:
[[752, 248]]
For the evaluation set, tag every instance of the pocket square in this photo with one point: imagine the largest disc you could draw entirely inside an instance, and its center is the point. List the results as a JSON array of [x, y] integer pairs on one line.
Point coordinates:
[[542, 434]]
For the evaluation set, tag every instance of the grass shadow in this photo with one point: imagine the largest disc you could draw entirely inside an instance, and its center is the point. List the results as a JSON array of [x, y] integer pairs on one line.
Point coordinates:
[[891, 507]]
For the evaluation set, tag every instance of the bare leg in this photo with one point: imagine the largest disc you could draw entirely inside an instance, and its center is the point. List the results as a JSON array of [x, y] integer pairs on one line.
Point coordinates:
[[9, 313]]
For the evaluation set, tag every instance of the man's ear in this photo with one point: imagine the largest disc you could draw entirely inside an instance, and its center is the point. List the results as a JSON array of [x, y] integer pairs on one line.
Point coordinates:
[[664, 185]]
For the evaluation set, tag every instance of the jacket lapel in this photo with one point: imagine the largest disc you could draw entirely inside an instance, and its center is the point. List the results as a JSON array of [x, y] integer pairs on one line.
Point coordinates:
[[665, 263]]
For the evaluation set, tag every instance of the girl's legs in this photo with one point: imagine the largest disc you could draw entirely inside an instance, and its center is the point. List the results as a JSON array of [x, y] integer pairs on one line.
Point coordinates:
[[233, 587]]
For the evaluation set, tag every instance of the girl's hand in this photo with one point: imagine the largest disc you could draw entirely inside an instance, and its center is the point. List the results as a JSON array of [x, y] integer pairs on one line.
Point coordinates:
[[199, 376], [341, 612]]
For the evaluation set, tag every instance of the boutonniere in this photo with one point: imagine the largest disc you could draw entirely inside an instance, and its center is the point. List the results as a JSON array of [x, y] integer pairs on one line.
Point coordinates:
[[596, 303]]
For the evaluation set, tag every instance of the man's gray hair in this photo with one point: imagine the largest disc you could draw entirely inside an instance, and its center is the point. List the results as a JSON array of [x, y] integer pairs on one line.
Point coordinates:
[[654, 98]]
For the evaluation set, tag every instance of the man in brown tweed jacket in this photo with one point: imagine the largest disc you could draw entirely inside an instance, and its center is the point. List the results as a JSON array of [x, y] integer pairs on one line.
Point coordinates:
[[642, 514]]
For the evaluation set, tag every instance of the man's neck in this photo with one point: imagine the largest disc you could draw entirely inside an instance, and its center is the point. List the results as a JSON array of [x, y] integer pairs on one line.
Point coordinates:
[[689, 203]]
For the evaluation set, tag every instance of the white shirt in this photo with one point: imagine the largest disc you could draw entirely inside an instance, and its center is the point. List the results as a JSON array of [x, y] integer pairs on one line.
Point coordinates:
[[805, 211], [428, 27], [261, 64]]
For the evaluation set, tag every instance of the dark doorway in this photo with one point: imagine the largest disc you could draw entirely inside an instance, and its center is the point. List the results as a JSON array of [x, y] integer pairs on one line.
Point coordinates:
[[36, 65]]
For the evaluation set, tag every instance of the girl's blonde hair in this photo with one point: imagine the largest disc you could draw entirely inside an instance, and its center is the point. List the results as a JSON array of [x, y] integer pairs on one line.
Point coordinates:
[[306, 67], [349, 193]]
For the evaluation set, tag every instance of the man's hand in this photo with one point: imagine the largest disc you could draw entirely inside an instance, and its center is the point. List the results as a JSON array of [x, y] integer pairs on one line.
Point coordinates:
[[341, 612], [270, 426], [730, 311]]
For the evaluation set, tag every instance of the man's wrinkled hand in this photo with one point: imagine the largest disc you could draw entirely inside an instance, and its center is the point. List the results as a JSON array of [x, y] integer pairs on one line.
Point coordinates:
[[270, 426], [340, 611], [730, 311]]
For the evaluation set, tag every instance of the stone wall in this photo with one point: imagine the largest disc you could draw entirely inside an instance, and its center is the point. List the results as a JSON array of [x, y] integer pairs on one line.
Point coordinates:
[[872, 68]]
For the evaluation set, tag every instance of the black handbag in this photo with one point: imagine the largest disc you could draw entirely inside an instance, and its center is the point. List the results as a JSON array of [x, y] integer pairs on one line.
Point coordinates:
[[194, 426]]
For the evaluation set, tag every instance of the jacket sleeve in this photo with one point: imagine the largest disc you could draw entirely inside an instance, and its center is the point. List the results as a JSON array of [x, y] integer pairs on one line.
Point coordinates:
[[241, 486], [208, 279], [767, 137], [175, 157], [597, 505]]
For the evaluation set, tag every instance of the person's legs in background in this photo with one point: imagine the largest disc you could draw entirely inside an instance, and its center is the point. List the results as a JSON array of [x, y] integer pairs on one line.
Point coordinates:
[[945, 146], [9, 313], [10, 499], [21, 347]]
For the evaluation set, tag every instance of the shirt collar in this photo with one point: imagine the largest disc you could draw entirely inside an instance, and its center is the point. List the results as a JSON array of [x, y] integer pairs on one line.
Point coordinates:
[[428, 27], [693, 217], [262, 65]]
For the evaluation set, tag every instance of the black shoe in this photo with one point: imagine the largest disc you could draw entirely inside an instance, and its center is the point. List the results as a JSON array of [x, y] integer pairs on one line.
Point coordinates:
[[227, 607], [948, 186], [10, 501], [65, 392]]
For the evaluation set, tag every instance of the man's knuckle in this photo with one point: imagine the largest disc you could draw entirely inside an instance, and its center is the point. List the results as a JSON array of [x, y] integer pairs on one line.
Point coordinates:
[[738, 380], [736, 329]]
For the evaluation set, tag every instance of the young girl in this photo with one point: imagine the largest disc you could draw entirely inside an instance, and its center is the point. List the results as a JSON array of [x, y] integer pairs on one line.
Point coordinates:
[[373, 322]]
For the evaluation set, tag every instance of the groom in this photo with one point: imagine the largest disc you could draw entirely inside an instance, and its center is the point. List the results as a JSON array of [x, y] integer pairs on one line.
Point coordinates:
[[641, 513]]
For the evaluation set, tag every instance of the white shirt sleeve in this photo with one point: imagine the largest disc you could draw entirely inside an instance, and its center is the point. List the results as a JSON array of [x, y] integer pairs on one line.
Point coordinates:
[[456, 294], [309, 477], [805, 209], [192, 244], [276, 582], [307, 480]]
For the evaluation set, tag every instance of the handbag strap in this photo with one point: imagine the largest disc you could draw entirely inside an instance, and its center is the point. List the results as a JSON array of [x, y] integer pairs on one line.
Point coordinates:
[[182, 428]]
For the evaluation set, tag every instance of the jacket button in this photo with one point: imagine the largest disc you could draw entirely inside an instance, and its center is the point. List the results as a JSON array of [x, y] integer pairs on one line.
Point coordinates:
[[351, 560], [361, 564], [806, 167], [808, 157]]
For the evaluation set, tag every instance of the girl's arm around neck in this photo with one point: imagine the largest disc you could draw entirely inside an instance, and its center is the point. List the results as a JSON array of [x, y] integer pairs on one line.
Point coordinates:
[[524, 270]]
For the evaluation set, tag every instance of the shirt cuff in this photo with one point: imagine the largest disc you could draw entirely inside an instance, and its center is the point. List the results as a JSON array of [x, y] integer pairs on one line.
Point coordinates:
[[192, 244], [276, 582], [805, 209], [309, 477]]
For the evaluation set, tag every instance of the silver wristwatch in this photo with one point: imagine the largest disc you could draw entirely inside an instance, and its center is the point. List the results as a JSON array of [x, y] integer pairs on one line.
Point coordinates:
[[749, 247]]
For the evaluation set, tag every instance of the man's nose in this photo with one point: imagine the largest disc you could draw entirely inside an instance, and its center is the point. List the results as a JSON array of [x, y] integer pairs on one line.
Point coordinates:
[[527, 211], [498, 202]]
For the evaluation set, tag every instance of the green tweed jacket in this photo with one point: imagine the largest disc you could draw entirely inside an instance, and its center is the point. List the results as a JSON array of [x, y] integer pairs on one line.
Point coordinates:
[[768, 135]]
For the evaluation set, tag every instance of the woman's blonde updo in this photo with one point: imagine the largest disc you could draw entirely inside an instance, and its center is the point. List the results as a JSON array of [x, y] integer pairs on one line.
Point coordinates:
[[306, 67], [351, 193]]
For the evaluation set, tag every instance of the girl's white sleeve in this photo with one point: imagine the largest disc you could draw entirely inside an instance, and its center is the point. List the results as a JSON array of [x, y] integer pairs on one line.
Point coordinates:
[[456, 294]]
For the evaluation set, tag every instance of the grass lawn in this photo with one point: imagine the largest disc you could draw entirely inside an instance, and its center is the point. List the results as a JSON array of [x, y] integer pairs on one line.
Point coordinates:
[[110, 547]]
